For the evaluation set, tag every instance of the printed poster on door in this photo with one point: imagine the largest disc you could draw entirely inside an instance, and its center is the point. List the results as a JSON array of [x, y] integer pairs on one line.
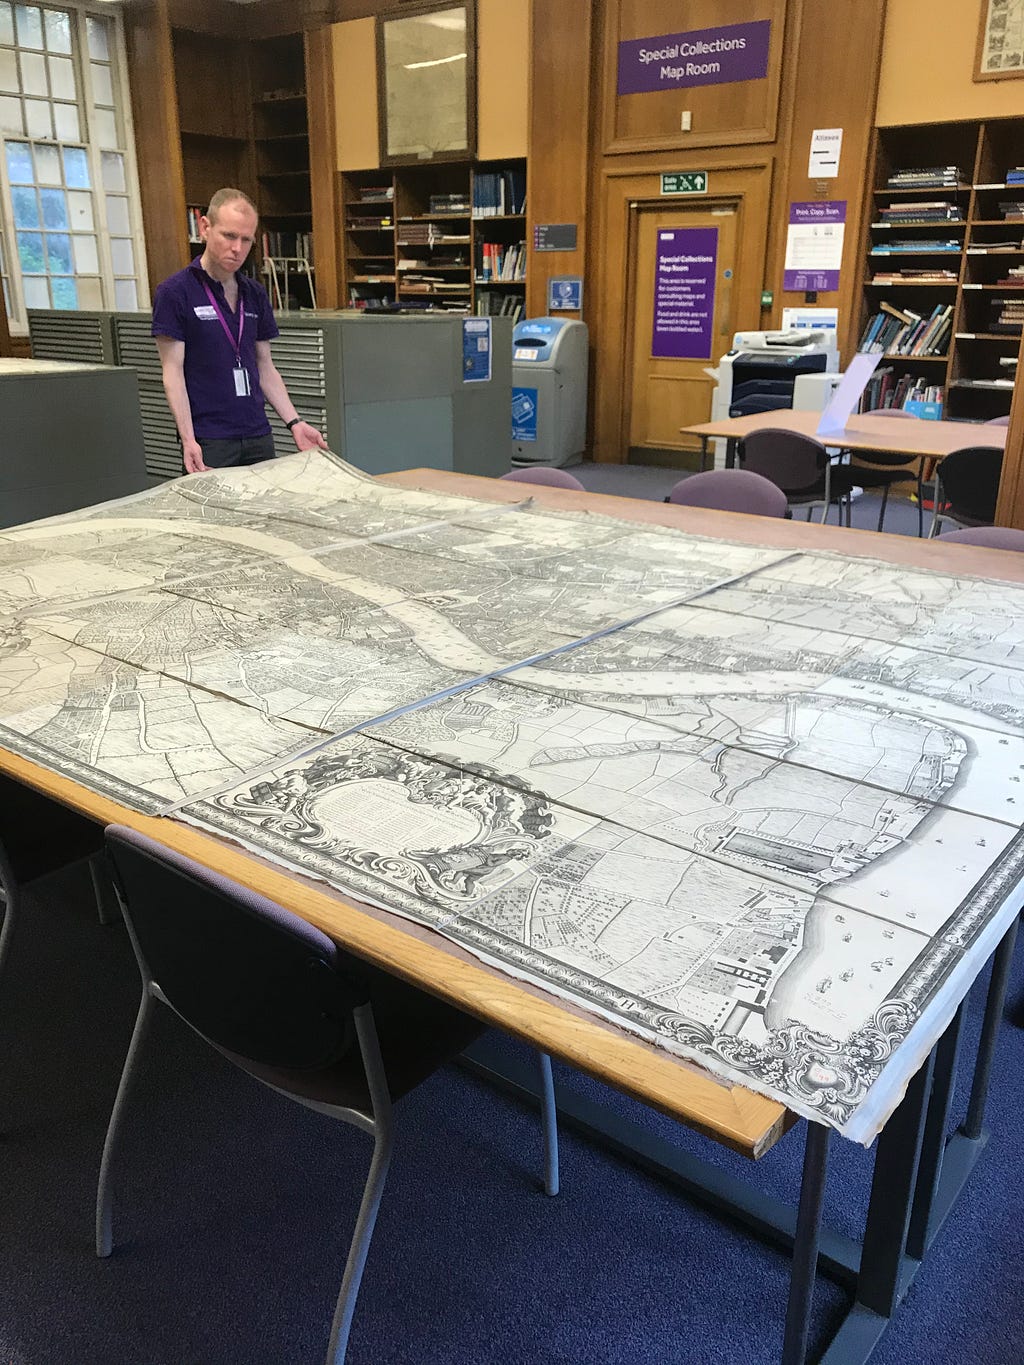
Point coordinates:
[[684, 293]]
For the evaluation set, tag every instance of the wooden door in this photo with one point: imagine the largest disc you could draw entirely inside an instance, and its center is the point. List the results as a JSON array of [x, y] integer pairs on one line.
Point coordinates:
[[683, 276]]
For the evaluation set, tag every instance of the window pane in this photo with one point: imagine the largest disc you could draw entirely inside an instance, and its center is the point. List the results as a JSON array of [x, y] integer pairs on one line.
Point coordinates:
[[47, 165], [62, 77], [65, 292], [30, 253], [117, 214], [113, 171], [102, 85], [99, 47], [19, 164], [37, 293], [58, 251], [9, 70], [105, 127], [11, 120], [30, 25], [76, 168], [58, 30], [122, 255], [90, 294], [26, 206], [80, 208], [126, 296], [87, 261], [55, 208], [33, 74], [37, 119], [6, 23], [66, 118]]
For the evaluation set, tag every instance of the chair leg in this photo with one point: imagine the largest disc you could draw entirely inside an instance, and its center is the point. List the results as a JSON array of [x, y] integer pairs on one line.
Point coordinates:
[[104, 1235], [107, 906], [7, 901], [360, 1246], [549, 1124], [881, 510], [920, 506]]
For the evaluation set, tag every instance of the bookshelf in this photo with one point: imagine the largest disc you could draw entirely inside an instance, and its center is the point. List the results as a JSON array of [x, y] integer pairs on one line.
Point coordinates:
[[949, 250], [446, 236]]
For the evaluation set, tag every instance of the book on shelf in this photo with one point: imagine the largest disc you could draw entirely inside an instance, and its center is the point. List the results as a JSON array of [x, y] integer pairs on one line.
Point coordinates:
[[1012, 210], [898, 331], [363, 220], [915, 246], [456, 203], [921, 211], [193, 213], [915, 277], [294, 245], [499, 193], [429, 234], [925, 177], [498, 261], [375, 194], [1014, 277], [886, 389]]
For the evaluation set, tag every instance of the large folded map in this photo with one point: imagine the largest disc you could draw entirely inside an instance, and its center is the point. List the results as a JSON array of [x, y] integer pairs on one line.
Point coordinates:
[[758, 807]]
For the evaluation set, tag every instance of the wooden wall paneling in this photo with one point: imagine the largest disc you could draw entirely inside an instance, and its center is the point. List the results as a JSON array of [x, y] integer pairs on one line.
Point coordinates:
[[560, 120], [323, 158], [721, 115], [1010, 506], [502, 79], [844, 79], [157, 136], [354, 57], [745, 180]]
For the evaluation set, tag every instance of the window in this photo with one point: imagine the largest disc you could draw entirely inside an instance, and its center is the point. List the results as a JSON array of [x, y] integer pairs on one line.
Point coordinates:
[[69, 234]]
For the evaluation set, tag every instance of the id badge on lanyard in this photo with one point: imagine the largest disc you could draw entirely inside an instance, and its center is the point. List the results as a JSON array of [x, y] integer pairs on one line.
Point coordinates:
[[239, 373]]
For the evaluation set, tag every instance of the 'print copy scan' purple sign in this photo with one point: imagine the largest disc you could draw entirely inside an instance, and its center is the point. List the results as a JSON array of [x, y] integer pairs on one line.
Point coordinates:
[[814, 245], [684, 293], [707, 56]]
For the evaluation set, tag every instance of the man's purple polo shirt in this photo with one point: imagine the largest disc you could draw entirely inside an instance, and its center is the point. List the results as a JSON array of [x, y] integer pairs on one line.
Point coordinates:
[[182, 311]]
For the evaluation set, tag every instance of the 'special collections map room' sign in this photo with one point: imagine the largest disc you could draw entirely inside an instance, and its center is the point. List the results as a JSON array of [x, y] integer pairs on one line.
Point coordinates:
[[709, 56]]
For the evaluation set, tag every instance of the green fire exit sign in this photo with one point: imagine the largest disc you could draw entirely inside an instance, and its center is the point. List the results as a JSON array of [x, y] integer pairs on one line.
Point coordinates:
[[685, 182]]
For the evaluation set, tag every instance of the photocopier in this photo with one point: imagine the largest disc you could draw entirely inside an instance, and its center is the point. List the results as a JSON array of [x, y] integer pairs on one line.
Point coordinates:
[[760, 371]]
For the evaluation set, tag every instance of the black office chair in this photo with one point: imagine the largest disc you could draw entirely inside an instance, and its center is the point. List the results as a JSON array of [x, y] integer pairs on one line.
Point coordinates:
[[38, 836], [967, 486], [281, 1001], [801, 467], [896, 467]]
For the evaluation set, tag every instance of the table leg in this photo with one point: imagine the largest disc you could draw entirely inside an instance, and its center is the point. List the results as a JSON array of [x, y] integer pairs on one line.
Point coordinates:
[[805, 1247], [926, 1217], [731, 448], [703, 453], [995, 1001]]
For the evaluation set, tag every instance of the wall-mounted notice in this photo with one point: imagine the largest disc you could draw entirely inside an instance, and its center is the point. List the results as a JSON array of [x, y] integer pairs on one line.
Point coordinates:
[[476, 350], [684, 293], [826, 144], [565, 294], [814, 244], [554, 237], [707, 56], [684, 182]]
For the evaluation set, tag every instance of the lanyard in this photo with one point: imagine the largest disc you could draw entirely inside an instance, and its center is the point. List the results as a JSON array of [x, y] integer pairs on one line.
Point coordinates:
[[236, 346]]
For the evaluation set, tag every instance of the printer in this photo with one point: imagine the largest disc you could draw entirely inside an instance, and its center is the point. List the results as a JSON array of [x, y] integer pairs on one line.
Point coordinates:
[[759, 372]]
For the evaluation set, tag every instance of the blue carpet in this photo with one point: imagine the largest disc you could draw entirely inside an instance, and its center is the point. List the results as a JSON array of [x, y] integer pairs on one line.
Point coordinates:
[[234, 1209]]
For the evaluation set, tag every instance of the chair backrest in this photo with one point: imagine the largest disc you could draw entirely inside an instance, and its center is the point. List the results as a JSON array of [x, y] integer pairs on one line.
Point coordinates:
[[998, 421], [553, 478], [785, 458], [731, 490], [890, 412], [969, 478], [995, 537], [245, 973]]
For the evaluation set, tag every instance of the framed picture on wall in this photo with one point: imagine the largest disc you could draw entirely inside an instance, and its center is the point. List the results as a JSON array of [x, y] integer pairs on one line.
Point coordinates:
[[426, 83], [1000, 53]]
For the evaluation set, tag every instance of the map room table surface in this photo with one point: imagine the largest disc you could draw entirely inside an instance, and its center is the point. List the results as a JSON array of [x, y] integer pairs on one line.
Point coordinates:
[[917, 1172]]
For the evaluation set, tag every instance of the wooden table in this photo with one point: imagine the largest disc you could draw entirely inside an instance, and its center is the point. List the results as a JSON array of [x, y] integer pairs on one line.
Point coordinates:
[[729, 1114]]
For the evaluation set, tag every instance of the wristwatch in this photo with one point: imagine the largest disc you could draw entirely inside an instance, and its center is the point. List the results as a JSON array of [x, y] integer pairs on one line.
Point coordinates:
[[294, 422]]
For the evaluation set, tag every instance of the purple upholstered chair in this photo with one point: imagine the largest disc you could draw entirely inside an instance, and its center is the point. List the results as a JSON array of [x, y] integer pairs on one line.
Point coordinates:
[[998, 421], [995, 537], [968, 486], [281, 1001], [38, 836], [896, 468], [552, 478], [731, 490], [801, 467]]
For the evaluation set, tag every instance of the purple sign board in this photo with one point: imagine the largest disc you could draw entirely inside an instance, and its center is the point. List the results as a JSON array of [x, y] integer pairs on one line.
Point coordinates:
[[814, 245], [707, 56], [684, 293]]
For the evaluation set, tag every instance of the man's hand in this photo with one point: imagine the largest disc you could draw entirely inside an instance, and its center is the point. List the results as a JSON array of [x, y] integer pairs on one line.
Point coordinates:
[[192, 453], [307, 437]]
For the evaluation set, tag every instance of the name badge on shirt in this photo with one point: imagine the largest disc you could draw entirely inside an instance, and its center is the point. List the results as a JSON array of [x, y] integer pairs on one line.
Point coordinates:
[[241, 376], [206, 312]]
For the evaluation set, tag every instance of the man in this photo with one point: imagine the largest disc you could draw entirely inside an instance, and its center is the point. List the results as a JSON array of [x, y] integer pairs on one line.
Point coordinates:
[[213, 330]]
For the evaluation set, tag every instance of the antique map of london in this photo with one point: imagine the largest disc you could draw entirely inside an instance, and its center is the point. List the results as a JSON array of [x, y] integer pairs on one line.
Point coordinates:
[[760, 807]]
